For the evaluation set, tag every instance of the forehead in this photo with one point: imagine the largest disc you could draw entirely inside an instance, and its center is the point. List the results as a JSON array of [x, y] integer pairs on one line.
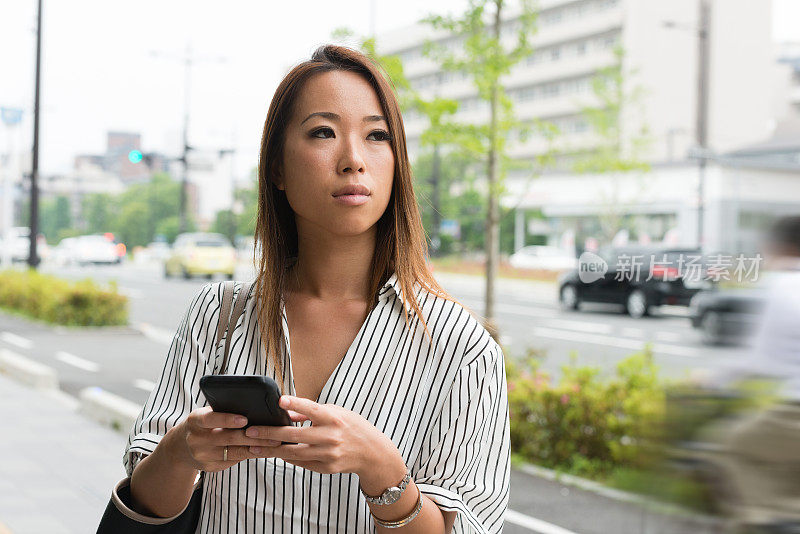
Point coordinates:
[[341, 92]]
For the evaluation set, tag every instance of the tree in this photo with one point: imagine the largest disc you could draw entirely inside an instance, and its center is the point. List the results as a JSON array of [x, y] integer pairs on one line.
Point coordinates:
[[98, 212], [618, 104], [615, 103], [484, 58], [55, 218]]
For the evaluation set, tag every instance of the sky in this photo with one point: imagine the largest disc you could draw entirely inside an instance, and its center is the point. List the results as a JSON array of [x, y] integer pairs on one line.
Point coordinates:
[[111, 65], [116, 66]]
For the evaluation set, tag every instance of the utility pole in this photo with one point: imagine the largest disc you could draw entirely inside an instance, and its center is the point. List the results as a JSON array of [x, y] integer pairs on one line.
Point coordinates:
[[33, 257], [187, 72], [188, 60], [704, 23]]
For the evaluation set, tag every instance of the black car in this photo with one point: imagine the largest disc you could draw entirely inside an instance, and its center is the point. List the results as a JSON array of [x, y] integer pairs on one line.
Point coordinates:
[[638, 277], [726, 316]]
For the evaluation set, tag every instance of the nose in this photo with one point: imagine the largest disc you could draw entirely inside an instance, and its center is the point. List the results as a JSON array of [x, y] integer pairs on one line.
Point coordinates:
[[351, 159]]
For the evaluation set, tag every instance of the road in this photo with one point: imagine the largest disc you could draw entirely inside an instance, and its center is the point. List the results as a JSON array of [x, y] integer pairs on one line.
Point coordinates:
[[528, 315], [127, 360]]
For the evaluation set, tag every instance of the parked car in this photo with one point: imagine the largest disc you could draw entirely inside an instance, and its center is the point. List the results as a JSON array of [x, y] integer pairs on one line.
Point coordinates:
[[158, 251], [726, 316], [543, 257], [245, 246], [200, 253], [658, 279], [19, 244], [88, 249]]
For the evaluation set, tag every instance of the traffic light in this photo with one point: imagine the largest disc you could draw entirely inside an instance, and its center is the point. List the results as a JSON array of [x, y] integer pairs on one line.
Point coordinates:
[[135, 156]]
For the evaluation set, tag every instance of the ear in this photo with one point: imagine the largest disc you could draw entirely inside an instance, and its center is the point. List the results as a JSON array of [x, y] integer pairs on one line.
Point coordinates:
[[277, 178]]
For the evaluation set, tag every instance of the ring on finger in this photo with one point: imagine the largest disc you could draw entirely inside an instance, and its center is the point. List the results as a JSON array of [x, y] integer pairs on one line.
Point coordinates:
[[225, 454]]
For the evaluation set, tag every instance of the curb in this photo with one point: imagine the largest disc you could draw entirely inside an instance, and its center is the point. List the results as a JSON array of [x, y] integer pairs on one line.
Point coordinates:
[[159, 335], [108, 409], [27, 371], [94, 402], [615, 494]]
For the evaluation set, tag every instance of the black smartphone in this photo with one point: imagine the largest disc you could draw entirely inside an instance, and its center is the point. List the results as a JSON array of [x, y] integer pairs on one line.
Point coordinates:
[[253, 396]]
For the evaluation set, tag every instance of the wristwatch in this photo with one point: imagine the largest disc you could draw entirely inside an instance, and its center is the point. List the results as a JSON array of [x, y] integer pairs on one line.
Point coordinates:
[[390, 495]]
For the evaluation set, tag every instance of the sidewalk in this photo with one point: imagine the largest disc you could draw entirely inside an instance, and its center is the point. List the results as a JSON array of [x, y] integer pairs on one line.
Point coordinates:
[[57, 467]]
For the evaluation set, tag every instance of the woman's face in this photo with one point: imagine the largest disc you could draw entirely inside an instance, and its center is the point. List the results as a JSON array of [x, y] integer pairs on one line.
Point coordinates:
[[336, 137]]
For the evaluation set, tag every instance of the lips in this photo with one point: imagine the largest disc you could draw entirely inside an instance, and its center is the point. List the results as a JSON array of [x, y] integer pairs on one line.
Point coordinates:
[[352, 189]]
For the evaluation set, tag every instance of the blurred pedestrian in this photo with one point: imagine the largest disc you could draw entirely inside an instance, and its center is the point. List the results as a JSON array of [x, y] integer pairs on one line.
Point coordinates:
[[759, 457]]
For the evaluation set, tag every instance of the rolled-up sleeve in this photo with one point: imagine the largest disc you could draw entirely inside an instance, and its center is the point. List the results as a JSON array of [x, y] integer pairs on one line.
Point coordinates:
[[177, 390], [465, 461]]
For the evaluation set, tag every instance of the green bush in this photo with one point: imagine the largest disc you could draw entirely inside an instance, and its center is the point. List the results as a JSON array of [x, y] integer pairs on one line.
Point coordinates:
[[584, 424], [54, 300]]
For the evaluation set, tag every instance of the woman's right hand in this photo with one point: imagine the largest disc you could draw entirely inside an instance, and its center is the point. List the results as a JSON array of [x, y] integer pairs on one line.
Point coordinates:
[[200, 439]]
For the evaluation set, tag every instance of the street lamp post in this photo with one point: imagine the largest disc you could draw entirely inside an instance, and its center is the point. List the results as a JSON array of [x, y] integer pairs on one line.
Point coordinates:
[[702, 111], [188, 59], [33, 257], [701, 127]]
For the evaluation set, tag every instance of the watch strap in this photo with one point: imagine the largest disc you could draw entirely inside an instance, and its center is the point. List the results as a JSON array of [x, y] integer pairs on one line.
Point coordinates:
[[383, 497]]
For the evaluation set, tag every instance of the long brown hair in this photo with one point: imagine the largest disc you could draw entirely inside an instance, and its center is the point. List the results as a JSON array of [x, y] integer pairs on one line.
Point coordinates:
[[400, 243]]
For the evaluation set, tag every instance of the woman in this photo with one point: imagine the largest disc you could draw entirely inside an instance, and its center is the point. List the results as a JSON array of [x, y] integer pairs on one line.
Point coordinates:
[[385, 389]]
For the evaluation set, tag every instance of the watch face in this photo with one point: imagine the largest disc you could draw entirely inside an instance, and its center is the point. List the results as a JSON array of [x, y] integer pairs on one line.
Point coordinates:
[[393, 494]]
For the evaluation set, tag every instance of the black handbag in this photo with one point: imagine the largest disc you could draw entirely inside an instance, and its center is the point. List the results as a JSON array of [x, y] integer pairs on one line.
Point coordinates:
[[119, 517]]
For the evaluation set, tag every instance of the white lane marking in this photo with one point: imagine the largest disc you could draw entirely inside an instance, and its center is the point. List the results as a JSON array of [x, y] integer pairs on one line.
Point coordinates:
[[530, 311], [676, 350], [581, 326], [160, 335], [536, 525], [131, 292], [633, 332], [17, 341], [76, 361], [669, 336], [146, 385]]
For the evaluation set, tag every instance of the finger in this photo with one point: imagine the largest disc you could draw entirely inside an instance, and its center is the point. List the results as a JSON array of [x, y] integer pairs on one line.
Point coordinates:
[[319, 467], [212, 419], [314, 411], [300, 452], [236, 454], [296, 417], [294, 434], [224, 436]]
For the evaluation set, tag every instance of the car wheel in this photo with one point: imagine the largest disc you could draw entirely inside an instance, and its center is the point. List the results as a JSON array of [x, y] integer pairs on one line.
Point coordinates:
[[636, 304], [166, 272], [569, 297], [229, 276], [186, 274], [711, 327], [210, 276]]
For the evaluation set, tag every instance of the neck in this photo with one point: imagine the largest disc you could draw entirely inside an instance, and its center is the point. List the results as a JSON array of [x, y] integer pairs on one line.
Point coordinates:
[[332, 268]]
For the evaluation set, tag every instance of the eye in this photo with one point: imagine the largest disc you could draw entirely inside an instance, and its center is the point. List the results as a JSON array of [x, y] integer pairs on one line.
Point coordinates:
[[383, 135], [326, 130]]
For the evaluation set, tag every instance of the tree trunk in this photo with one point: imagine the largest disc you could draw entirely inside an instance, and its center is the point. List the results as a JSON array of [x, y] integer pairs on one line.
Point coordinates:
[[437, 219], [493, 212]]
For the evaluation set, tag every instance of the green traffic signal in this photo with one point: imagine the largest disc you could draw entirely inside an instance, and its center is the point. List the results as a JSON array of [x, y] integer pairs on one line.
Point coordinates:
[[135, 156]]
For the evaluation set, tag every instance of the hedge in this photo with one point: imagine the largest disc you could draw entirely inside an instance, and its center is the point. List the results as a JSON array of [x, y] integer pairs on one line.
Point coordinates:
[[54, 300]]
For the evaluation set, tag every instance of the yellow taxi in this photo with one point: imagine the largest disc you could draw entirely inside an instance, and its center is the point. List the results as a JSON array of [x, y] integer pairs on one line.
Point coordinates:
[[201, 254]]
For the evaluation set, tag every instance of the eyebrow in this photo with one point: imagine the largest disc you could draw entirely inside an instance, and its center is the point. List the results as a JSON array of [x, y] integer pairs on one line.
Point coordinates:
[[334, 116]]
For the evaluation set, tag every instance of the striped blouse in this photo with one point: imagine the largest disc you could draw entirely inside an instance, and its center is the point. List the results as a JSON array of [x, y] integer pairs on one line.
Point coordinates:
[[444, 405]]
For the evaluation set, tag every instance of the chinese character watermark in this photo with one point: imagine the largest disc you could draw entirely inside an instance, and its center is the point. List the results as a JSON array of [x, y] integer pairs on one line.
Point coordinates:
[[690, 268]]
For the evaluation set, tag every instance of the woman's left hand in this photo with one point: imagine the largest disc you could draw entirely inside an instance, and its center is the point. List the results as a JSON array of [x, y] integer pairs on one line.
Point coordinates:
[[338, 440]]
